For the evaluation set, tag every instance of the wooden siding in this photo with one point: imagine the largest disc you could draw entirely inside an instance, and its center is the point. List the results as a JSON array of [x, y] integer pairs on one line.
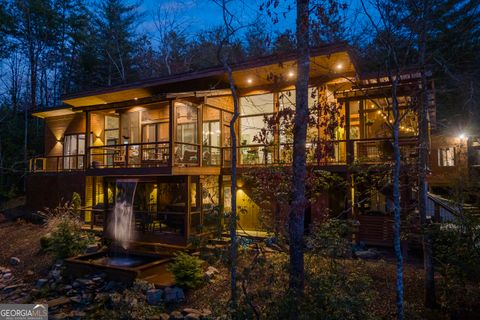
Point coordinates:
[[57, 127], [48, 190], [446, 175]]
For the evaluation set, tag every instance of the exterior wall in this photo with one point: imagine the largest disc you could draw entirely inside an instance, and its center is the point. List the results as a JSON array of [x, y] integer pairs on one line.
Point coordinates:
[[57, 127], [48, 190]]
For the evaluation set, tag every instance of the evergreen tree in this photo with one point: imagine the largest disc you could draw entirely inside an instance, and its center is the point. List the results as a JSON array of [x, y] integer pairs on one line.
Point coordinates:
[[116, 25]]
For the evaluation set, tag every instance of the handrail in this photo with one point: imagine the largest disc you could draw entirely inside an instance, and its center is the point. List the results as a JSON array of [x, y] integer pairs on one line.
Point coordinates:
[[61, 163], [158, 154]]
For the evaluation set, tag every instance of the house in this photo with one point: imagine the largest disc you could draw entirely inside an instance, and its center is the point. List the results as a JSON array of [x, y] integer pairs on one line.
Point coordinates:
[[171, 137]]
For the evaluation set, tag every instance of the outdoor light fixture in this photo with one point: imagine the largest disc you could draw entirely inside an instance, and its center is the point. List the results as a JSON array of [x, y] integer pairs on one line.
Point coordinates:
[[291, 74], [135, 98], [249, 80], [462, 136], [339, 66]]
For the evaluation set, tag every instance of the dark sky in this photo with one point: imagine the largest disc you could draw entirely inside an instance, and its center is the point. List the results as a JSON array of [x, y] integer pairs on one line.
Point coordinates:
[[203, 14]]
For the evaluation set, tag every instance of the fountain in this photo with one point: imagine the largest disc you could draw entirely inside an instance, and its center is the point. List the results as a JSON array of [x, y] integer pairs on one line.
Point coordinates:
[[121, 226], [122, 262]]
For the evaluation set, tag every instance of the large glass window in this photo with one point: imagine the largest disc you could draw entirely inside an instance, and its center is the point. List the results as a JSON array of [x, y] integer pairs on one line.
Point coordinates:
[[253, 110], [257, 104], [73, 151], [376, 117], [186, 148]]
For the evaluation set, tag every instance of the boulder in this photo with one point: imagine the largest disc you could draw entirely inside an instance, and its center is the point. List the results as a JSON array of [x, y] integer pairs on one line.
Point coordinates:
[[193, 316], [206, 313], [174, 294], [91, 248], [164, 316], [14, 261], [41, 283], [154, 296], [369, 254], [191, 310], [176, 315]]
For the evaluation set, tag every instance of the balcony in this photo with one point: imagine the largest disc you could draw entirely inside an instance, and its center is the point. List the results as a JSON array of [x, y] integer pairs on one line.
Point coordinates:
[[158, 154]]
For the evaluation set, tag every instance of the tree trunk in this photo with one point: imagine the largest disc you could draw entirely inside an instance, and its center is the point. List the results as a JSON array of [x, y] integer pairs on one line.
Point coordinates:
[[430, 299], [297, 211], [233, 215], [396, 203]]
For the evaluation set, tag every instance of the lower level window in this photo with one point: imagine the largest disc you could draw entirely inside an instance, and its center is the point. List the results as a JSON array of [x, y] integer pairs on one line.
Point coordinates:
[[446, 157]]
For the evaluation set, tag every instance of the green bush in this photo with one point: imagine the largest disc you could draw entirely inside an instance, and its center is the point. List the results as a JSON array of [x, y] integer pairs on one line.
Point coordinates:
[[456, 248], [68, 239], [76, 202], [187, 270], [331, 292], [45, 242], [331, 238]]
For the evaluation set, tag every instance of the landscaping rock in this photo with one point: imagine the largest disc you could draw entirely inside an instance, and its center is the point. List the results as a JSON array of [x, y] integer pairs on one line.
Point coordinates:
[[154, 296], [91, 248], [30, 273], [14, 261], [191, 310], [11, 288], [193, 316], [370, 254], [206, 313], [7, 276], [164, 316], [176, 315], [58, 301], [174, 294], [41, 283]]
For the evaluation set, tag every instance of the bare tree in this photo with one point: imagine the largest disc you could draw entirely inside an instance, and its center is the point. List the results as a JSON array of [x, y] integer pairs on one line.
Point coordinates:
[[171, 27], [430, 299]]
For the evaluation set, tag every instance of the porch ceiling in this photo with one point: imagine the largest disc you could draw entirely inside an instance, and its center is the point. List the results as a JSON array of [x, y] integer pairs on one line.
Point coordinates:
[[329, 61]]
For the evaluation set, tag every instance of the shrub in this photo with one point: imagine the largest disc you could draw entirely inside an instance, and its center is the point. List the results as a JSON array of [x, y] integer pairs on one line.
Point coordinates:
[[331, 238], [331, 292], [67, 238], [456, 248], [76, 202], [187, 270]]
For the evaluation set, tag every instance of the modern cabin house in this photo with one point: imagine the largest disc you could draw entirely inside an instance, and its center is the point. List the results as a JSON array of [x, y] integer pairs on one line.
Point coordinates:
[[172, 136]]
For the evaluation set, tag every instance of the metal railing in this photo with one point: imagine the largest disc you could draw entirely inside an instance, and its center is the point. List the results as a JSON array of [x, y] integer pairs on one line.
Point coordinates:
[[374, 151], [137, 155], [157, 154], [325, 153]]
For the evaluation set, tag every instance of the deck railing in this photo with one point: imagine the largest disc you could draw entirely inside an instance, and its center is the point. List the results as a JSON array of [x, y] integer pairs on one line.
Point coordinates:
[[157, 154], [136, 155], [57, 163]]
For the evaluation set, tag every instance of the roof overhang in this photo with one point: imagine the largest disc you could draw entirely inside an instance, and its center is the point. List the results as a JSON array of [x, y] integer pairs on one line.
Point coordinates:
[[54, 112], [331, 61]]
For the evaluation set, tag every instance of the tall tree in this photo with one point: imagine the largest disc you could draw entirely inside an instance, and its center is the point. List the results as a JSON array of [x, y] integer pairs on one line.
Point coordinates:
[[299, 168], [116, 24]]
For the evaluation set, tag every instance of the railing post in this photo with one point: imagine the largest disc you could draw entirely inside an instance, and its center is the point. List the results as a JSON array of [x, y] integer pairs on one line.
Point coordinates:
[[126, 156]]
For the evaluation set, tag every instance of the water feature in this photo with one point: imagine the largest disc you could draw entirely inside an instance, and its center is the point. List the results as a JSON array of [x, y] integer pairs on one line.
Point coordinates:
[[123, 222]]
